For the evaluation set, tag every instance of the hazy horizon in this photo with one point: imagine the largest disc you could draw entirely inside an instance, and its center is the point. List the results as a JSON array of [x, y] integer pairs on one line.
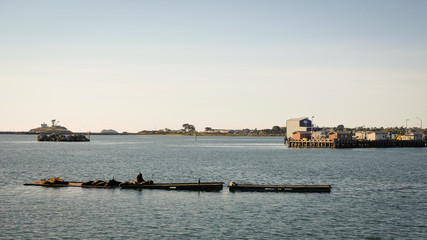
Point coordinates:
[[198, 128], [145, 65]]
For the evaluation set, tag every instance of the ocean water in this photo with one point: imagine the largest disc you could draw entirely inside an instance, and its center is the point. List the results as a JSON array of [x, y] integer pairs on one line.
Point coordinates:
[[376, 194]]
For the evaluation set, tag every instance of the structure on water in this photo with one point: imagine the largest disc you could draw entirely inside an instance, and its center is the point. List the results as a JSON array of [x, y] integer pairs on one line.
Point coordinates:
[[301, 133], [279, 188], [197, 186], [334, 143], [57, 137]]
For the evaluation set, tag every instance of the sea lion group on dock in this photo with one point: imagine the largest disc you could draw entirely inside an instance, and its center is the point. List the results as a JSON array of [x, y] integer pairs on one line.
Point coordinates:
[[140, 183], [139, 180], [99, 183], [54, 180], [58, 182]]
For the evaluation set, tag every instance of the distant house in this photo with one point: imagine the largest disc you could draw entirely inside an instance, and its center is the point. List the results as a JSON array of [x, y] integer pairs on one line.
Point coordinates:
[[361, 135], [223, 131], [412, 136], [375, 136], [318, 135], [44, 125], [342, 136], [300, 135]]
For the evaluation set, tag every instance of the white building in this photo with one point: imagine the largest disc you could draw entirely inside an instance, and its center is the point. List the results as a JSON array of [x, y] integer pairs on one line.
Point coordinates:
[[297, 124], [319, 135], [412, 136], [373, 136], [361, 135]]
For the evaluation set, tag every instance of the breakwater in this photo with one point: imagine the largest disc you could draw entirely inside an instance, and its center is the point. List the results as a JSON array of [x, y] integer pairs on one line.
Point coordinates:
[[327, 143], [57, 137]]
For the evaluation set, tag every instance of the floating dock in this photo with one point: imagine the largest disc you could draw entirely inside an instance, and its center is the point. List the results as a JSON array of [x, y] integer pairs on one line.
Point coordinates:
[[202, 186], [66, 184], [326, 143], [280, 188]]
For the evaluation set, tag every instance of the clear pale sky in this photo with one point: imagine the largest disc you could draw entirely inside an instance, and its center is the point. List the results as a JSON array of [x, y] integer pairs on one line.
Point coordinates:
[[136, 65]]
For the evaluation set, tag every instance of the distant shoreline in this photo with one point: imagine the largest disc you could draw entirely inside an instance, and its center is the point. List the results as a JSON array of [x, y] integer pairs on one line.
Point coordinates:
[[18, 133], [153, 134]]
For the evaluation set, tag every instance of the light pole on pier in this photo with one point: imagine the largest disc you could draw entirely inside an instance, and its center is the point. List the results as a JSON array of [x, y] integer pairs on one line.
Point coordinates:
[[421, 122], [407, 124], [312, 125]]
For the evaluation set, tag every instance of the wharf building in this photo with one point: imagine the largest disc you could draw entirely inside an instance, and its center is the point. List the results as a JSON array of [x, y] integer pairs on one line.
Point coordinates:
[[302, 124], [301, 133]]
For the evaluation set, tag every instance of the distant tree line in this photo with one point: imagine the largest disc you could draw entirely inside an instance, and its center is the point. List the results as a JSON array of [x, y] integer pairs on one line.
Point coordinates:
[[394, 130], [190, 129]]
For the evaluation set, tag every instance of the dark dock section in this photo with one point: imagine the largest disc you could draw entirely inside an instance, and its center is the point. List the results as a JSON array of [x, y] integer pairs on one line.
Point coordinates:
[[326, 143], [203, 186], [280, 188]]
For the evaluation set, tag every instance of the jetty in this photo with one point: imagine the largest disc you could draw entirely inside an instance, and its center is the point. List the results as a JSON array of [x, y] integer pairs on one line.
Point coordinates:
[[280, 188], [58, 137], [335, 143]]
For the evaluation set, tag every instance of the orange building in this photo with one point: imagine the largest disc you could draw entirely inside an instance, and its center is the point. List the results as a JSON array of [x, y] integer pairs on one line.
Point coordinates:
[[301, 135]]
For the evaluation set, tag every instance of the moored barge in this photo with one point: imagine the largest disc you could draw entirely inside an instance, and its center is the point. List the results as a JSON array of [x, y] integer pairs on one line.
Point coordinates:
[[198, 186], [279, 188], [202, 186]]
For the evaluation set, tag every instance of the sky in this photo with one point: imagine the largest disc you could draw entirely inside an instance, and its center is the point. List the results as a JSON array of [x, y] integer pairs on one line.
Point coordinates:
[[147, 65]]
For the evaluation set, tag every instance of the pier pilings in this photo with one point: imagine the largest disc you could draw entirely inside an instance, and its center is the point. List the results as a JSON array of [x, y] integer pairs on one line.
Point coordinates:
[[327, 143]]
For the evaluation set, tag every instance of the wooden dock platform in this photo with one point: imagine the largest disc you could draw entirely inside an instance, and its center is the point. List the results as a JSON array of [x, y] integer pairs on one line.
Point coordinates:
[[202, 186], [68, 184], [280, 188], [327, 143]]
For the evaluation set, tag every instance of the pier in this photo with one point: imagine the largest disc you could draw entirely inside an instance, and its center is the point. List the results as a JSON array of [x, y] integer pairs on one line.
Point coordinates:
[[327, 143]]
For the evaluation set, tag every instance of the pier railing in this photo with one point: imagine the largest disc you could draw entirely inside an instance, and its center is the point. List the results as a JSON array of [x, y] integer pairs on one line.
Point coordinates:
[[327, 143]]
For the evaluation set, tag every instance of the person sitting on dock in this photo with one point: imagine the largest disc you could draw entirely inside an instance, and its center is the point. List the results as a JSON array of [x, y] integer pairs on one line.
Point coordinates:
[[232, 184], [139, 178]]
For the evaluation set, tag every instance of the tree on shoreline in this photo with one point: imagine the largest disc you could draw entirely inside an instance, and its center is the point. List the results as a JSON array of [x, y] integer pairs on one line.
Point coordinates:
[[276, 130], [188, 127]]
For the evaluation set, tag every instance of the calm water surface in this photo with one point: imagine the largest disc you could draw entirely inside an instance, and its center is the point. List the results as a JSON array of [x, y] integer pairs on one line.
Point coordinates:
[[377, 193]]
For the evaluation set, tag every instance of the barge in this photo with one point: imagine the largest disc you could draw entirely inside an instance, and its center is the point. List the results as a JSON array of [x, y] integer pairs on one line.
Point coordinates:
[[58, 182], [69, 184], [279, 188], [198, 186], [90, 184], [202, 186]]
